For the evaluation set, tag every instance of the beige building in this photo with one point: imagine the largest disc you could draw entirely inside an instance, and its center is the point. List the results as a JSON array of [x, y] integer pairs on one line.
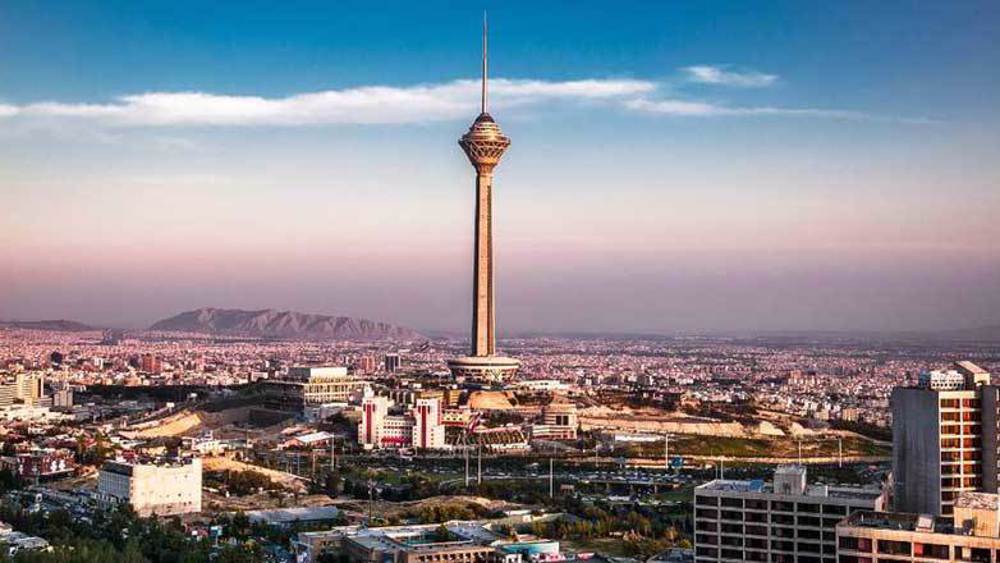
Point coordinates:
[[323, 385], [970, 534], [559, 422], [163, 488], [308, 388], [26, 388]]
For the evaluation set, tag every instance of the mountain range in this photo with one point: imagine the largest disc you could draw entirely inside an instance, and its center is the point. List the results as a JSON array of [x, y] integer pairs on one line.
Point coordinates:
[[60, 325], [271, 323]]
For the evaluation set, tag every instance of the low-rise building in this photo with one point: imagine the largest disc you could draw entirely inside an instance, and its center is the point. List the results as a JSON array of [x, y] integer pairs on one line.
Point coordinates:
[[307, 388], [453, 542], [40, 464], [970, 533], [163, 488], [559, 422]]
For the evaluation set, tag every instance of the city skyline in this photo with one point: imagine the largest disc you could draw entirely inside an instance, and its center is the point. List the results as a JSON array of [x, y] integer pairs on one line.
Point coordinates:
[[731, 169]]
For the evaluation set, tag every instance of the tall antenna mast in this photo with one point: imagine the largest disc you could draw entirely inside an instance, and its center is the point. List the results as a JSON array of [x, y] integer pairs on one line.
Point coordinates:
[[484, 63]]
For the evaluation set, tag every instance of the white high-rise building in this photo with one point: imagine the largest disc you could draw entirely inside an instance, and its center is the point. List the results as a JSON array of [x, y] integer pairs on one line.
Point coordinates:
[[374, 410], [420, 428], [428, 430]]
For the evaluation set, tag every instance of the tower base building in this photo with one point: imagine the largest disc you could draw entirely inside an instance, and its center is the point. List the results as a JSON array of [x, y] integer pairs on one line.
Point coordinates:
[[483, 369]]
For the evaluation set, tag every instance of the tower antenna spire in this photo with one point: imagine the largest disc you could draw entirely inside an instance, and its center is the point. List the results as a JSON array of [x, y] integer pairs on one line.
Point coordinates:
[[485, 69]]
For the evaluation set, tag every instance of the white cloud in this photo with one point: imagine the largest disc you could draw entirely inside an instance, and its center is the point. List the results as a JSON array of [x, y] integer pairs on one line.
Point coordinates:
[[423, 103], [368, 104], [704, 109], [708, 74]]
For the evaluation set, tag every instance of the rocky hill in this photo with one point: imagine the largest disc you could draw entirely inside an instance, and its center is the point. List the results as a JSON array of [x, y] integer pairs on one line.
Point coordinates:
[[269, 323]]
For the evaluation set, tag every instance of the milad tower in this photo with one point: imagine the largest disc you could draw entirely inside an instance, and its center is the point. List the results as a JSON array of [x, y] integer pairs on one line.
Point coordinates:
[[484, 144]]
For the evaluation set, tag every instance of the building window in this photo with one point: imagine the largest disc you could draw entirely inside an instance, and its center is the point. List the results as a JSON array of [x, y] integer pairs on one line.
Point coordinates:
[[732, 502], [891, 547], [808, 521], [835, 509], [702, 500], [783, 519], [931, 551], [732, 515]]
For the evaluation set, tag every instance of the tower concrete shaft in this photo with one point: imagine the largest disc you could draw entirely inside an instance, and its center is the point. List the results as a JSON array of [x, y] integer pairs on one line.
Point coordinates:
[[484, 144], [483, 311]]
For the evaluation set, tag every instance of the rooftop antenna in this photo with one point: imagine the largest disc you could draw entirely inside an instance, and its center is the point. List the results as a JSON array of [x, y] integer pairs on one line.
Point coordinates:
[[484, 64]]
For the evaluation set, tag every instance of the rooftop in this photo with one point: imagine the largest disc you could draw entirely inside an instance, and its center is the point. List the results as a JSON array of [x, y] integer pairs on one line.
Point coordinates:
[[900, 521], [414, 537], [978, 501], [290, 515], [761, 487]]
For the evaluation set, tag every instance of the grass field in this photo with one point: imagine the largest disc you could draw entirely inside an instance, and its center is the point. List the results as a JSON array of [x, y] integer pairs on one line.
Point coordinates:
[[607, 546], [761, 447]]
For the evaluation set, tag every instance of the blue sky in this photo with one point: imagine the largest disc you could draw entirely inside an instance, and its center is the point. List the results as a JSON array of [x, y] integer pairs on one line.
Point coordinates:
[[804, 165], [875, 55]]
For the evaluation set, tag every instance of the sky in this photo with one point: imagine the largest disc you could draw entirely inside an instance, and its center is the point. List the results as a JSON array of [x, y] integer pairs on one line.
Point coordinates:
[[676, 166]]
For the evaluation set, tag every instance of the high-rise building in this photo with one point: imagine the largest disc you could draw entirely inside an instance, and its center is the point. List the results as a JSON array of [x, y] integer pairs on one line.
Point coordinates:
[[149, 363], [428, 428], [944, 435], [63, 398], [392, 362], [29, 388], [373, 412], [484, 144], [365, 365], [421, 427], [783, 521]]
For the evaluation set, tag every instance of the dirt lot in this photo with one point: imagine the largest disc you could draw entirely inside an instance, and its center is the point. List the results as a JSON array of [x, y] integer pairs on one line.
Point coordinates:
[[287, 480]]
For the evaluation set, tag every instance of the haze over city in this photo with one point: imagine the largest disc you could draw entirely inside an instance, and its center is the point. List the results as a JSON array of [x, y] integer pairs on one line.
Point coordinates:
[[499, 282], [675, 167]]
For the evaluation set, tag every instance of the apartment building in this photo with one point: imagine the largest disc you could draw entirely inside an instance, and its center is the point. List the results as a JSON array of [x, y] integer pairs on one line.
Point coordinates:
[[786, 520]]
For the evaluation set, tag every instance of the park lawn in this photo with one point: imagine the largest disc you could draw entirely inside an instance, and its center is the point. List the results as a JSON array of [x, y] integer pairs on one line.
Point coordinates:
[[614, 547]]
